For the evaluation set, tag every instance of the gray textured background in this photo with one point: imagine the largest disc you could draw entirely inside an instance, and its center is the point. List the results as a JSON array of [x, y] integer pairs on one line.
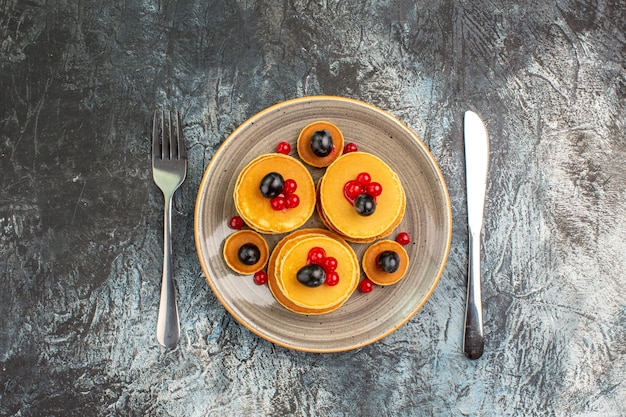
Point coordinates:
[[80, 219]]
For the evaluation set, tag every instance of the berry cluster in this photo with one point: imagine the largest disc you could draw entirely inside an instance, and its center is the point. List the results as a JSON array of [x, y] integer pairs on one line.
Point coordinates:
[[320, 269], [287, 198], [279, 191], [362, 192]]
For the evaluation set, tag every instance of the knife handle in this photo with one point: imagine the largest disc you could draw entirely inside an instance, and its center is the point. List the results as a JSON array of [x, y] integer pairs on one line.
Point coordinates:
[[473, 338]]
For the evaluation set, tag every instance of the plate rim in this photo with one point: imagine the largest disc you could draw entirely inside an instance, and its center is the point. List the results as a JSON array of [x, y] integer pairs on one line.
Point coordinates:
[[206, 178]]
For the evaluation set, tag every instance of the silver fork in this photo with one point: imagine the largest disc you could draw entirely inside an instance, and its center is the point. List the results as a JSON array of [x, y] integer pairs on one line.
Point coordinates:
[[169, 169]]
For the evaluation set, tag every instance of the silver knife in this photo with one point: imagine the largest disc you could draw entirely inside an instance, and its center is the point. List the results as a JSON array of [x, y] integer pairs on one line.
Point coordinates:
[[476, 162]]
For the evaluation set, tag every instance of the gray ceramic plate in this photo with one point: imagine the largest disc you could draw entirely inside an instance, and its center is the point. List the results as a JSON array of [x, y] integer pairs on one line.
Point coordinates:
[[364, 318]]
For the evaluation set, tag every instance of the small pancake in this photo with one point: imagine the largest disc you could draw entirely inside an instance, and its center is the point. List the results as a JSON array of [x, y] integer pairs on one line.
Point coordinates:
[[304, 144], [236, 241], [370, 266]]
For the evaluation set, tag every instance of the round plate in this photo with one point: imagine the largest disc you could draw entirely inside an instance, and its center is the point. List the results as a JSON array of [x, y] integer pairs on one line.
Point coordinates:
[[364, 318]]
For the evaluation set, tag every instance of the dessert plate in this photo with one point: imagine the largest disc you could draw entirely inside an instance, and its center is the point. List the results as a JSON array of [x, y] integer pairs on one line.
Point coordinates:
[[364, 318]]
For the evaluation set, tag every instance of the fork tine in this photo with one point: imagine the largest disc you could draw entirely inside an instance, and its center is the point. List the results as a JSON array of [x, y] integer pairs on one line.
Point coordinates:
[[170, 132], [182, 152], [155, 138], [165, 141]]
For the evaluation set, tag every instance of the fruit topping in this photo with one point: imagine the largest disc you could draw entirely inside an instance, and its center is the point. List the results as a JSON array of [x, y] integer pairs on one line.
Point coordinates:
[[321, 143], [284, 148], [249, 254], [260, 277], [364, 204], [329, 264], [352, 189], [235, 222], [332, 278], [272, 185], [364, 178], [290, 186], [366, 285], [316, 256], [278, 203], [374, 189], [388, 261], [350, 147], [292, 200], [279, 191], [403, 238], [311, 275], [362, 193]]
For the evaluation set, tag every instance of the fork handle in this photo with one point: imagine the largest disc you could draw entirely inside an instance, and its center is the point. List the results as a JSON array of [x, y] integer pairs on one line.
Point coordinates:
[[473, 343], [168, 327]]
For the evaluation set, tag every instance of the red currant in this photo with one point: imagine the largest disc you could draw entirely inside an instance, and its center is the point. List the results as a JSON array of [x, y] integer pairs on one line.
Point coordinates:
[[316, 255], [260, 277], [235, 222], [366, 285], [283, 147], [403, 238], [278, 203], [364, 178], [292, 200], [374, 189], [290, 186], [350, 147], [332, 278], [329, 264], [352, 189]]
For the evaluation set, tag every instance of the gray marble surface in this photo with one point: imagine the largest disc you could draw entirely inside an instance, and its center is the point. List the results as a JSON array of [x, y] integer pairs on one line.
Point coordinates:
[[81, 220]]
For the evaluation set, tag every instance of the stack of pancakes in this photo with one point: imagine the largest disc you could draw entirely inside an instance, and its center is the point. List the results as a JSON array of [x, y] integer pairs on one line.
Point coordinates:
[[290, 254], [338, 213], [257, 211]]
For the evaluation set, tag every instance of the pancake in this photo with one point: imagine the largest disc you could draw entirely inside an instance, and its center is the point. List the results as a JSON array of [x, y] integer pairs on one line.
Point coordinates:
[[233, 243], [377, 275], [290, 254], [304, 144], [339, 214], [256, 210]]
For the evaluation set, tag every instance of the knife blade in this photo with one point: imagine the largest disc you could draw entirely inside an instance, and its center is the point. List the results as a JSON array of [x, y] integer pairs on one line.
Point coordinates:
[[476, 164]]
